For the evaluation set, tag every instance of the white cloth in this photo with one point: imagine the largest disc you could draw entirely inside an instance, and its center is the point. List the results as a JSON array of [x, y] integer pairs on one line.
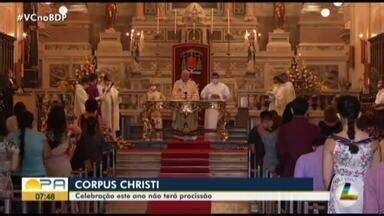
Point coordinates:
[[212, 115], [290, 91], [80, 97], [219, 89], [278, 100], [109, 106], [380, 97]]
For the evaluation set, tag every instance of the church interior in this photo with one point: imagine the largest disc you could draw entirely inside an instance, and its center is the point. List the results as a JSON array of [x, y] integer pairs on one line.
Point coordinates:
[[134, 60]]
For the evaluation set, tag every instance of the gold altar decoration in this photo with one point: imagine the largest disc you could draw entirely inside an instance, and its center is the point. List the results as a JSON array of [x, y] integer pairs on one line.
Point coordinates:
[[185, 108], [279, 14]]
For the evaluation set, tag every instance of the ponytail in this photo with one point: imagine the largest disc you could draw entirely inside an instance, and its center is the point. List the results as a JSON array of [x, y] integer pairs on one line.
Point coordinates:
[[26, 120], [353, 148]]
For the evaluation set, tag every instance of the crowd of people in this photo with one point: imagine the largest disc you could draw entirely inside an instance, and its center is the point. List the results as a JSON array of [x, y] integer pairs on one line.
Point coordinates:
[[342, 150], [58, 149]]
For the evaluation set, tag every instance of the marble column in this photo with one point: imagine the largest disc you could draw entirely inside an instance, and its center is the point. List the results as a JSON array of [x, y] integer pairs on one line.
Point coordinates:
[[140, 11], [249, 14]]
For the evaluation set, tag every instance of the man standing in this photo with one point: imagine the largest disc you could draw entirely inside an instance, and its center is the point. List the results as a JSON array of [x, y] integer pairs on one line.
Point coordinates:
[[289, 88], [92, 89], [380, 94], [214, 91], [80, 96], [296, 137], [109, 104], [185, 89]]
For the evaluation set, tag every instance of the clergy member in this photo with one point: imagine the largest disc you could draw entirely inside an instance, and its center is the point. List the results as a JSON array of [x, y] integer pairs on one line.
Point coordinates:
[[288, 86], [80, 97], [277, 96], [380, 94], [109, 104], [185, 88], [214, 91]]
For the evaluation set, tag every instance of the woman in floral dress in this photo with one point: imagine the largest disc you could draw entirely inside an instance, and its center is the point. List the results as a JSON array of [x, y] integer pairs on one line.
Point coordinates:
[[348, 155]]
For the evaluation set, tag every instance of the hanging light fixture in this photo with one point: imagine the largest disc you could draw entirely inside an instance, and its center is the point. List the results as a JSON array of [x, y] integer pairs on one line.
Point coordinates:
[[325, 12], [338, 4]]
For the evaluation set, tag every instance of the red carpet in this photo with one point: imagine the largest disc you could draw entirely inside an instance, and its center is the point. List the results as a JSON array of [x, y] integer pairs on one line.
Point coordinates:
[[183, 159]]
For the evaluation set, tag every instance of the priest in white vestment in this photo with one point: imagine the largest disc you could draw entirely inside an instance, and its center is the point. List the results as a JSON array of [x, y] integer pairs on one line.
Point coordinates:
[[185, 89], [277, 97], [380, 94], [109, 104], [214, 91], [289, 88], [80, 97]]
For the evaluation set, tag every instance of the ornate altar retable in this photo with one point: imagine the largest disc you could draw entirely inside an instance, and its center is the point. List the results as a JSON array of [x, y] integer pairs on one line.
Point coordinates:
[[183, 109]]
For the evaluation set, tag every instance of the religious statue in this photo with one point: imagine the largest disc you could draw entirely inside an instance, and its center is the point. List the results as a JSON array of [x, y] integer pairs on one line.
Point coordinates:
[[137, 39], [111, 14], [279, 14], [250, 39]]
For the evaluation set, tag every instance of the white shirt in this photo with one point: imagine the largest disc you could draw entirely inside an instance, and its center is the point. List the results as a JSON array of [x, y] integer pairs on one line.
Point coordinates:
[[380, 97], [219, 89]]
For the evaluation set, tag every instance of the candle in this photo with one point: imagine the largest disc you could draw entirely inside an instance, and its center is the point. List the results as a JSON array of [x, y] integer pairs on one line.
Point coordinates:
[[211, 20], [228, 22], [175, 21], [194, 27], [158, 20]]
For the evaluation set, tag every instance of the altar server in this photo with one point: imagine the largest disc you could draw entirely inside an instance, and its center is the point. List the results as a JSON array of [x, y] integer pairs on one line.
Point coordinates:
[[109, 104], [80, 97], [214, 91]]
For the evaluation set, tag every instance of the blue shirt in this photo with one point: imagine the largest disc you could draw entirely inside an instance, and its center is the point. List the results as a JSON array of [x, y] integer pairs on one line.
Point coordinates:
[[33, 162]]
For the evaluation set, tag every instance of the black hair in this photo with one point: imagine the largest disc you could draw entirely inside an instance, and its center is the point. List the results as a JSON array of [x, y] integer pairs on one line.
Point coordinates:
[[91, 105], [287, 114], [266, 115], [91, 125], [92, 77], [349, 108], [56, 126], [379, 121], [299, 106], [19, 108], [84, 80], [215, 74], [106, 77], [278, 79], [26, 120]]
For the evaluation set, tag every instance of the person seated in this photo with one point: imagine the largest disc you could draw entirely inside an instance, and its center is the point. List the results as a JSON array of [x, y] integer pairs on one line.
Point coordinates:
[[311, 166]]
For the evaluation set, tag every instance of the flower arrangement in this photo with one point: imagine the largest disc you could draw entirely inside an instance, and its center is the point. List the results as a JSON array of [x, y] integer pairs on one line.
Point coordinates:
[[305, 80]]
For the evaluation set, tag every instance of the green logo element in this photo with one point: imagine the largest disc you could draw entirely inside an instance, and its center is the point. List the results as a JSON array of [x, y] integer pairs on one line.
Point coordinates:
[[345, 193]]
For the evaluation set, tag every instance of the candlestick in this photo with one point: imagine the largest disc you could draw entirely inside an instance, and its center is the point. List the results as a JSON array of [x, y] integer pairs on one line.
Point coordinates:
[[175, 20], [228, 22], [194, 27], [158, 21], [211, 20]]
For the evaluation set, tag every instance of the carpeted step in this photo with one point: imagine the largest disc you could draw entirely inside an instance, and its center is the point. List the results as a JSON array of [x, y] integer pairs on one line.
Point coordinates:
[[186, 162], [184, 155], [190, 169], [184, 175]]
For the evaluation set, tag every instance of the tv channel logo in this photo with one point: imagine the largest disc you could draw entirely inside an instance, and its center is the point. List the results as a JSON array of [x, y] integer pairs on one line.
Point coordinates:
[[348, 194], [44, 189]]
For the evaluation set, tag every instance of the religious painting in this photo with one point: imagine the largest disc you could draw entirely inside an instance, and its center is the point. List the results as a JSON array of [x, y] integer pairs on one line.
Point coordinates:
[[205, 5], [239, 9], [191, 61], [149, 8], [329, 74], [195, 58], [57, 73]]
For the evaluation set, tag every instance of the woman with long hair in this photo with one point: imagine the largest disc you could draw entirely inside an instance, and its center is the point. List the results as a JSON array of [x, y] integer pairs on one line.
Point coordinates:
[[58, 137], [12, 124], [348, 154]]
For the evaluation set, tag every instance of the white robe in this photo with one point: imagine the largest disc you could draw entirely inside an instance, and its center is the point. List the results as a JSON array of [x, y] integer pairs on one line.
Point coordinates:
[[109, 106], [212, 115], [80, 97], [278, 101], [290, 92], [380, 97]]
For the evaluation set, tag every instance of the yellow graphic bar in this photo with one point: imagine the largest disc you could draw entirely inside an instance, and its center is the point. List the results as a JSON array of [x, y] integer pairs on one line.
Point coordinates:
[[44, 196]]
